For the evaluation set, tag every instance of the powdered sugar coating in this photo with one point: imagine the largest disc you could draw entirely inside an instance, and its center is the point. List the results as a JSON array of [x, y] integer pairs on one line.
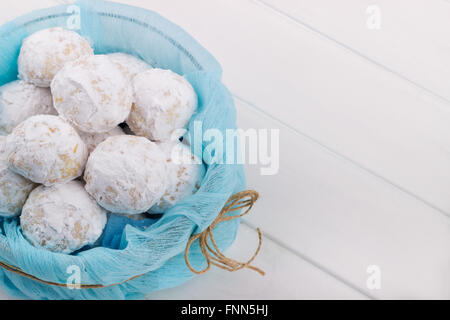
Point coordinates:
[[184, 175], [92, 93], [164, 102], [62, 218], [20, 100], [92, 140], [45, 52], [126, 174], [128, 64], [14, 189], [46, 149]]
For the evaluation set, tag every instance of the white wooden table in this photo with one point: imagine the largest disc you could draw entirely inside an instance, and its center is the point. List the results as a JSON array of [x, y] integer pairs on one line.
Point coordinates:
[[363, 109]]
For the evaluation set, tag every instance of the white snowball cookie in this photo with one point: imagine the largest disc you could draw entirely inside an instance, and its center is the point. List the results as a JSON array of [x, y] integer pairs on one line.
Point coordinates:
[[45, 52], [126, 174], [92, 93], [62, 218], [129, 64], [19, 101], [163, 102], [184, 175], [14, 189], [47, 150], [92, 140]]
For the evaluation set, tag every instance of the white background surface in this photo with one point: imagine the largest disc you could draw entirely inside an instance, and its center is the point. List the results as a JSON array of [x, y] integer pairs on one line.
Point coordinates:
[[364, 119]]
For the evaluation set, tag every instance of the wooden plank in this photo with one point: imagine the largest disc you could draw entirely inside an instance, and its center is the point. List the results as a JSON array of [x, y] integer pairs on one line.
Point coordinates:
[[287, 277], [345, 220], [408, 37], [15, 9]]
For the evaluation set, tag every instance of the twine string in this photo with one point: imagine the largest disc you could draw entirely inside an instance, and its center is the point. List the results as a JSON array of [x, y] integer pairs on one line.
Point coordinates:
[[208, 245], [211, 251]]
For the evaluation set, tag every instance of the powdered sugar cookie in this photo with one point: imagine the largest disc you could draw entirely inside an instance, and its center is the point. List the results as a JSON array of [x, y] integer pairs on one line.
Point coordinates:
[[184, 175], [126, 174], [20, 100], [164, 102], [92, 93], [92, 140], [46, 149], [45, 52], [14, 189], [129, 65], [62, 218]]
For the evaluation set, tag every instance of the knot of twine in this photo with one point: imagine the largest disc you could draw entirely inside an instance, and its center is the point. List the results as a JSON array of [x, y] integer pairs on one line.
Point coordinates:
[[212, 254], [210, 250]]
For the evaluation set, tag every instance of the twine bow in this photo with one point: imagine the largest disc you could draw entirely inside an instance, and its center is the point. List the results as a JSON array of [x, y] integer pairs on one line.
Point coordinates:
[[212, 254]]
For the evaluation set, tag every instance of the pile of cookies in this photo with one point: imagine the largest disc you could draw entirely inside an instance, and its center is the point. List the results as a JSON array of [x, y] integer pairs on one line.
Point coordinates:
[[83, 136]]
